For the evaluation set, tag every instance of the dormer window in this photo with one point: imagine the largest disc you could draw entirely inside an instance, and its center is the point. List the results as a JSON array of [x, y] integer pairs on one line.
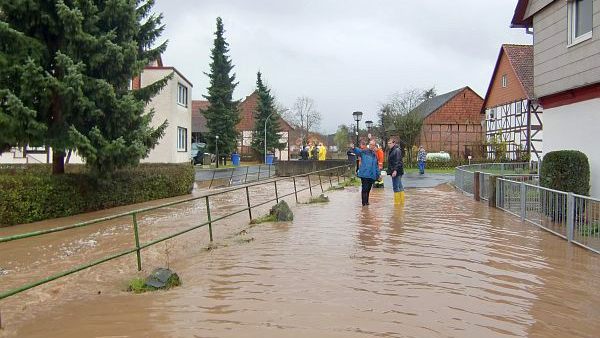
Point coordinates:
[[580, 16], [504, 81]]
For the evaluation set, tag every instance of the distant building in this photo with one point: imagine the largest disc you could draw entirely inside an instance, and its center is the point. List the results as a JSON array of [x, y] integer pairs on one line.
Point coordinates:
[[452, 123], [245, 127], [513, 117], [566, 73], [173, 104]]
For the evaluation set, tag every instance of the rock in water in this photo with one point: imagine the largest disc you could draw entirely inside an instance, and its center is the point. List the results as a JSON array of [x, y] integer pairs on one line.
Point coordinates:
[[162, 278], [282, 212]]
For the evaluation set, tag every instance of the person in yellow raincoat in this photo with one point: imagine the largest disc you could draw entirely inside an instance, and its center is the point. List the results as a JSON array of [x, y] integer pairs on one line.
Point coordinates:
[[322, 152], [310, 151]]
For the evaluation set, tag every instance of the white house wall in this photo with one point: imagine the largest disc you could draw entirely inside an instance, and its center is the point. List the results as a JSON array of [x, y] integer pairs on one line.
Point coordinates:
[[576, 127], [166, 108]]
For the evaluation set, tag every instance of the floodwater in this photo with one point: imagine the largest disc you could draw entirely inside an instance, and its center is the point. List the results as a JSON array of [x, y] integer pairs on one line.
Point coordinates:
[[441, 266]]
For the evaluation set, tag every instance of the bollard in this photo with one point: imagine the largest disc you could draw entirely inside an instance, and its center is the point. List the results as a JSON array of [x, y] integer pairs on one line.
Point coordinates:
[[476, 186], [570, 216], [246, 179], [276, 195], [137, 242], [258, 177]]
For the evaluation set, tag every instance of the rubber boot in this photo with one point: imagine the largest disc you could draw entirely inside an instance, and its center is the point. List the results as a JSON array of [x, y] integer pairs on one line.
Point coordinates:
[[402, 197], [396, 198]]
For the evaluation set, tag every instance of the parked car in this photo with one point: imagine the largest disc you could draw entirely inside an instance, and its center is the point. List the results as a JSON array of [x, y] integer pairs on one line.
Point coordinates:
[[197, 153]]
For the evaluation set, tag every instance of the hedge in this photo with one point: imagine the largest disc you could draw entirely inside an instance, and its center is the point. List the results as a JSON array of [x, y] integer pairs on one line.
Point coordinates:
[[29, 194], [566, 170]]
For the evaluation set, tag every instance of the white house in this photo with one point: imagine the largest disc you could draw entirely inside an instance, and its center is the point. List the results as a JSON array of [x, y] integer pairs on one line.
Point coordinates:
[[173, 104], [566, 67]]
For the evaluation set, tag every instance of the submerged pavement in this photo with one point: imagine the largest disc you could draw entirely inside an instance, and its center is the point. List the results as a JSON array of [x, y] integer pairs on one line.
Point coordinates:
[[441, 266]]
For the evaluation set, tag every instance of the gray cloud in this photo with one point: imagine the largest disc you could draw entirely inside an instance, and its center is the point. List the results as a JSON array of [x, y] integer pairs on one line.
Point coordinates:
[[347, 55]]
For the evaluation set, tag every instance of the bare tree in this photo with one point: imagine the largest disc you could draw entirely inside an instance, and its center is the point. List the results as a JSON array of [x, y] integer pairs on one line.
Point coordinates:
[[304, 116]]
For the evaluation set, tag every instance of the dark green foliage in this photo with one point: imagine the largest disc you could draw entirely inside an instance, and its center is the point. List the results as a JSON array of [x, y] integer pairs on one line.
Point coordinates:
[[65, 67], [266, 110], [33, 194], [566, 170], [222, 115]]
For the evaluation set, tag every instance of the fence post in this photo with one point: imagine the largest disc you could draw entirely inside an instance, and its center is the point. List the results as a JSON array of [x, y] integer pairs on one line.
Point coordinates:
[[137, 242], [258, 177], [209, 219], [570, 216], [320, 182], [248, 202], [492, 194], [269, 171], [476, 186], [523, 200], [309, 185], [246, 179], [330, 184], [337, 172], [295, 191], [231, 178], [276, 194], [212, 179]]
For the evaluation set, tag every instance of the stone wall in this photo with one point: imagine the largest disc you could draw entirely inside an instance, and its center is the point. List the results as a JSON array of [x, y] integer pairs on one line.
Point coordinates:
[[298, 167]]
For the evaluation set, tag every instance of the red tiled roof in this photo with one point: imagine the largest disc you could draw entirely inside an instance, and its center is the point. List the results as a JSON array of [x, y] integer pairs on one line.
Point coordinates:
[[246, 108], [198, 119], [521, 59]]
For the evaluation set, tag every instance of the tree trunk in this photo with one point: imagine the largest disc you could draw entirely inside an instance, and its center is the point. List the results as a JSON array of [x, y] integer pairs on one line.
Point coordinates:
[[58, 162]]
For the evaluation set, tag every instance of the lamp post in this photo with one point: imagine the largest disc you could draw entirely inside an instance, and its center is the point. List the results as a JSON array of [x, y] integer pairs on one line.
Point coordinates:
[[217, 148], [357, 116], [265, 135], [369, 125]]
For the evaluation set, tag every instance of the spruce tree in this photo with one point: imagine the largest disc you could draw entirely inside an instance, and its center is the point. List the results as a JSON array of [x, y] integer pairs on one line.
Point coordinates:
[[222, 115], [65, 67], [265, 109]]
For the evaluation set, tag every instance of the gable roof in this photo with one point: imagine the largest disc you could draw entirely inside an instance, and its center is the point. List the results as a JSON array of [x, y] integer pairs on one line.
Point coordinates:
[[246, 108], [427, 108], [520, 58], [519, 20]]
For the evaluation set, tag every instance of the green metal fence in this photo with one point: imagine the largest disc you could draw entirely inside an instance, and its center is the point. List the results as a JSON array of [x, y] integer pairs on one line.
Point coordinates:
[[341, 171]]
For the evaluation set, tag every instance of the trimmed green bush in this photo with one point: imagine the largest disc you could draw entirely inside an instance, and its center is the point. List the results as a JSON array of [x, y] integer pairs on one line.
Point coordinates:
[[566, 170], [29, 194]]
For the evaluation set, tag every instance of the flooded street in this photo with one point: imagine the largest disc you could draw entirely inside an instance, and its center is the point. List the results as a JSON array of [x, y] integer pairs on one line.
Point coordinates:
[[441, 266]]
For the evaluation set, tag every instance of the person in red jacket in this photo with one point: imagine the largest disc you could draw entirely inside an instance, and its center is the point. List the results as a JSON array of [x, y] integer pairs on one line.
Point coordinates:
[[379, 154]]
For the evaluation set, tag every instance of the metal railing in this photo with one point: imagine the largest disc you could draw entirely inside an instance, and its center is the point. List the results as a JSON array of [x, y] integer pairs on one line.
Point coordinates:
[[570, 216], [228, 177], [338, 172], [464, 175]]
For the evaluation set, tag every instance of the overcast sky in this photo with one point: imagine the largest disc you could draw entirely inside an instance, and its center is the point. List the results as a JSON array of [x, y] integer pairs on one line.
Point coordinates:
[[347, 55]]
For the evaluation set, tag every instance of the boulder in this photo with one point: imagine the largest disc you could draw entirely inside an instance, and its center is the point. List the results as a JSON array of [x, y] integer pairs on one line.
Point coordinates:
[[162, 278], [282, 212]]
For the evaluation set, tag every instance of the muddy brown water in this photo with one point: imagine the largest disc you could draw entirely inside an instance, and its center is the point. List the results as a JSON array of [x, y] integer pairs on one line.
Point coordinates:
[[441, 266]]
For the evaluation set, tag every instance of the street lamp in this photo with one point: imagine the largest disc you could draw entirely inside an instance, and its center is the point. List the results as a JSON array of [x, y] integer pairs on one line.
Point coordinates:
[[369, 125], [357, 116], [217, 148], [265, 135]]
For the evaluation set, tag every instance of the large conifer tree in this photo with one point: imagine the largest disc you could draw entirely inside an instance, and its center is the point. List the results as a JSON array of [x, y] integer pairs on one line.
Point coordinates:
[[65, 67], [222, 115], [266, 110]]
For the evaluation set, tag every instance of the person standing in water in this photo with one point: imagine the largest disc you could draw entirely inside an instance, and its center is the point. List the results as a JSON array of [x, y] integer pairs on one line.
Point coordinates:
[[396, 170], [368, 170], [421, 158]]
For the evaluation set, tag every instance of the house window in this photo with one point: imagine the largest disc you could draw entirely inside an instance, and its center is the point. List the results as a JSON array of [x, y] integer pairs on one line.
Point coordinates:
[[181, 139], [580, 15], [182, 95], [504, 81]]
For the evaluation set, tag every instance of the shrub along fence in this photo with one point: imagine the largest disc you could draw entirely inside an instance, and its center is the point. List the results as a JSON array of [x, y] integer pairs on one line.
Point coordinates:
[[31, 193]]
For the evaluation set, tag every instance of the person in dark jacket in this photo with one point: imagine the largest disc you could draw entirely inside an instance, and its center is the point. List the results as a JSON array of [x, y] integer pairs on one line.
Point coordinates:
[[304, 153], [396, 170], [368, 170]]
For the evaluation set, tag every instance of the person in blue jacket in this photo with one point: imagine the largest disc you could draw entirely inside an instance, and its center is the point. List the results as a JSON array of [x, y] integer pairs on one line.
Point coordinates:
[[369, 169]]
